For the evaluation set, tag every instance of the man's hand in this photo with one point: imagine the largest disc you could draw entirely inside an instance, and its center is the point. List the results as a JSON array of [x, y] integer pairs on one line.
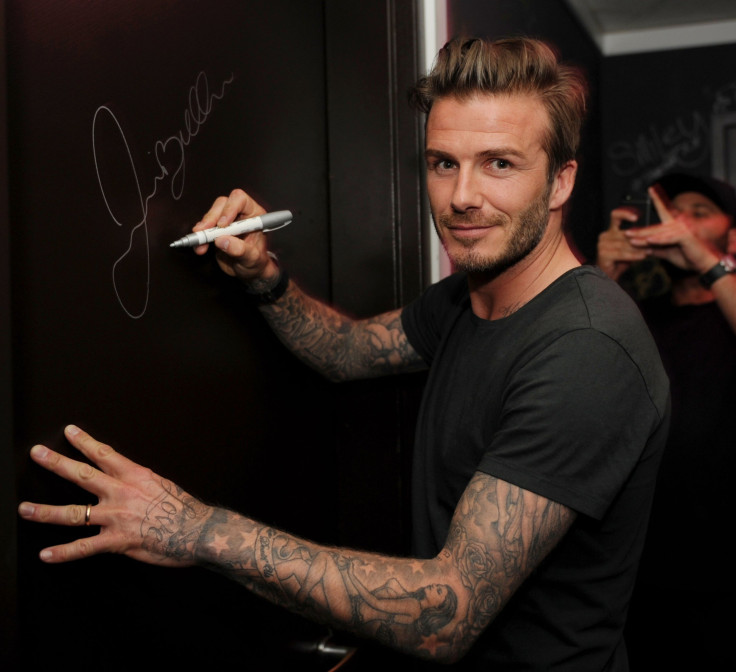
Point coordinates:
[[140, 514], [674, 239], [615, 251], [245, 258]]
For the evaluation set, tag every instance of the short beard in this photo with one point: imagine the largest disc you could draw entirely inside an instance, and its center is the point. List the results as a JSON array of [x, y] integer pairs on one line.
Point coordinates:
[[524, 235]]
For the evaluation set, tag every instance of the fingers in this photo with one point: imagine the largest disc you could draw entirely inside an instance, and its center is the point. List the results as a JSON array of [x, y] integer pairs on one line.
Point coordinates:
[[73, 515], [225, 210], [661, 202], [97, 481], [246, 250], [621, 215], [615, 254], [104, 456], [245, 258], [631, 254], [80, 473], [616, 246], [74, 550], [212, 215]]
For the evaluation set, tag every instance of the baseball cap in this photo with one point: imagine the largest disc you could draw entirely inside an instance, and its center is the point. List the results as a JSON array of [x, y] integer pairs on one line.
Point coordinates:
[[721, 193]]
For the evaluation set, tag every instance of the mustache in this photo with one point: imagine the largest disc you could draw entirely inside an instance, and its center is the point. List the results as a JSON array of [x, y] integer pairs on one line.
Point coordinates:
[[473, 218]]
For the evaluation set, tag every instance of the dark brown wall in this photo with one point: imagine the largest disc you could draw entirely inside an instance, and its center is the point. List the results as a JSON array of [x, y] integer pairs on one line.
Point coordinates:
[[8, 557], [377, 249], [167, 363]]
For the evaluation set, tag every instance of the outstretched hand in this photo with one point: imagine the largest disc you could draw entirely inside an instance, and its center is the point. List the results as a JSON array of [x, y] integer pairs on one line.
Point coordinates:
[[140, 514]]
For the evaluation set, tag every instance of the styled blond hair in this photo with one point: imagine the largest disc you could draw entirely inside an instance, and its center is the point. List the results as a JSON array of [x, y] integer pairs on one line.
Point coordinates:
[[467, 67]]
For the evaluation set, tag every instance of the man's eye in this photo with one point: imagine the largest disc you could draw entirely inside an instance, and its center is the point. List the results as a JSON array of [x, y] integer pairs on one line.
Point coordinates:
[[441, 165], [501, 164]]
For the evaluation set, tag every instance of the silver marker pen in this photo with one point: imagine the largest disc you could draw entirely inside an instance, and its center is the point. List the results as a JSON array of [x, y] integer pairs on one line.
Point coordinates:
[[269, 221]]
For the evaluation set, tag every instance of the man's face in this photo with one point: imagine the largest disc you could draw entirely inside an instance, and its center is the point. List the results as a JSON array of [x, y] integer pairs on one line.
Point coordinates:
[[487, 179], [705, 218]]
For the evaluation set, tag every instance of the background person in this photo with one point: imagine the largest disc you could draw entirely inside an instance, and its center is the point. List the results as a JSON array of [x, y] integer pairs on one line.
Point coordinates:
[[686, 584]]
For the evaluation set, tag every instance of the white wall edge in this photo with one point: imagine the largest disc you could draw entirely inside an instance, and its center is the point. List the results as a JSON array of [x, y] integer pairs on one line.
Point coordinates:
[[434, 27], [664, 39]]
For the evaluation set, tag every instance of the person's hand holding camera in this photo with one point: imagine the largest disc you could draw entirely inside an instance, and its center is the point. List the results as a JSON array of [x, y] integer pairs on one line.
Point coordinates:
[[615, 252], [674, 238]]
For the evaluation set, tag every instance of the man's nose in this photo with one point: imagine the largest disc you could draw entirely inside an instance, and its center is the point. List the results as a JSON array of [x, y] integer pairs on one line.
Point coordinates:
[[467, 193]]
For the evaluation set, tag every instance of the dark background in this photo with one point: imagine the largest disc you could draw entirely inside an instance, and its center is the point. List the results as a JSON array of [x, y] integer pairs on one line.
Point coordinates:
[[179, 373], [153, 350], [658, 115]]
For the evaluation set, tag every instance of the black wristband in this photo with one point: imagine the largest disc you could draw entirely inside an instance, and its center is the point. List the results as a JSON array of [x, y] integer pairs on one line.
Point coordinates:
[[271, 295], [725, 266]]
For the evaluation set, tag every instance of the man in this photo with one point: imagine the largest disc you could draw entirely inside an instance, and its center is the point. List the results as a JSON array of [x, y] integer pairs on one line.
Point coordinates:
[[686, 582], [530, 493]]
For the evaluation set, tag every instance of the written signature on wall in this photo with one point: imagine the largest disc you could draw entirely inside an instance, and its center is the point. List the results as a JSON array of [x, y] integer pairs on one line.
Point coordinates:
[[166, 153]]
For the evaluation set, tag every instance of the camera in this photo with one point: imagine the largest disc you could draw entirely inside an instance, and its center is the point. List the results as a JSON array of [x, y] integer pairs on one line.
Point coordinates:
[[644, 206]]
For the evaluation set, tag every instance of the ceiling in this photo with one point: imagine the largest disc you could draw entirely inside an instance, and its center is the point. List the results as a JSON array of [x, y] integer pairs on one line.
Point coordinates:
[[628, 26]]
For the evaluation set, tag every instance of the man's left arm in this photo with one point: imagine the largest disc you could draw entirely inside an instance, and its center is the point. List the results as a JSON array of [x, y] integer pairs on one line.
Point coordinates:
[[433, 608]]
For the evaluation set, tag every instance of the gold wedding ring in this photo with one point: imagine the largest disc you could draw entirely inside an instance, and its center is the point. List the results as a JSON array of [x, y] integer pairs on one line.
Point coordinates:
[[86, 514]]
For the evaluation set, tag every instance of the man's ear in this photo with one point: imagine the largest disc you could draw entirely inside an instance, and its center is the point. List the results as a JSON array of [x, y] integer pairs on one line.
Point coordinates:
[[562, 186]]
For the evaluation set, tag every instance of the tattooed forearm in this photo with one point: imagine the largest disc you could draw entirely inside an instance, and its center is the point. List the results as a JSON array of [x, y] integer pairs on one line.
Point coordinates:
[[400, 602], [335, 345]]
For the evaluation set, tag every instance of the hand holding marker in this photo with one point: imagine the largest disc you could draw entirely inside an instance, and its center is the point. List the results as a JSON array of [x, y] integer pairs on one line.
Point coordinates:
[[269, 221]]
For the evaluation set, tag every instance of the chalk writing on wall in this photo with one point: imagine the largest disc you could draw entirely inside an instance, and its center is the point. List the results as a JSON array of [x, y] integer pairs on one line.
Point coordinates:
[[683, 142], [725, 99], [169, 156]]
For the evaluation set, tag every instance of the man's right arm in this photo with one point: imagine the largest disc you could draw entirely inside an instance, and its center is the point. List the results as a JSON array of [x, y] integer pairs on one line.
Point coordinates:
[[339, 347]]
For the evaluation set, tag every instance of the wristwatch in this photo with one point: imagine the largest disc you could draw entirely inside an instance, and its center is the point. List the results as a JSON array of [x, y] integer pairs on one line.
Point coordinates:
[[726, 265]]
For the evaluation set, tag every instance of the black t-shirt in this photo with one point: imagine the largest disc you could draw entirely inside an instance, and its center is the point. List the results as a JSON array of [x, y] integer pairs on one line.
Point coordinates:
[[686, 584], [566, 398]]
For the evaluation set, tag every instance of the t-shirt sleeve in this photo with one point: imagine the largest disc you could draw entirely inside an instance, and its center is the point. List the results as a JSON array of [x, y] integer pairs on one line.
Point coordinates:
[[573, 433], [427, 318]]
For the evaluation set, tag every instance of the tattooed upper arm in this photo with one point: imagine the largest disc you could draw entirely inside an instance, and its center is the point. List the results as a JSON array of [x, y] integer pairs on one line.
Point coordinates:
[[337, 346], [380, 346], [499, 534]]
